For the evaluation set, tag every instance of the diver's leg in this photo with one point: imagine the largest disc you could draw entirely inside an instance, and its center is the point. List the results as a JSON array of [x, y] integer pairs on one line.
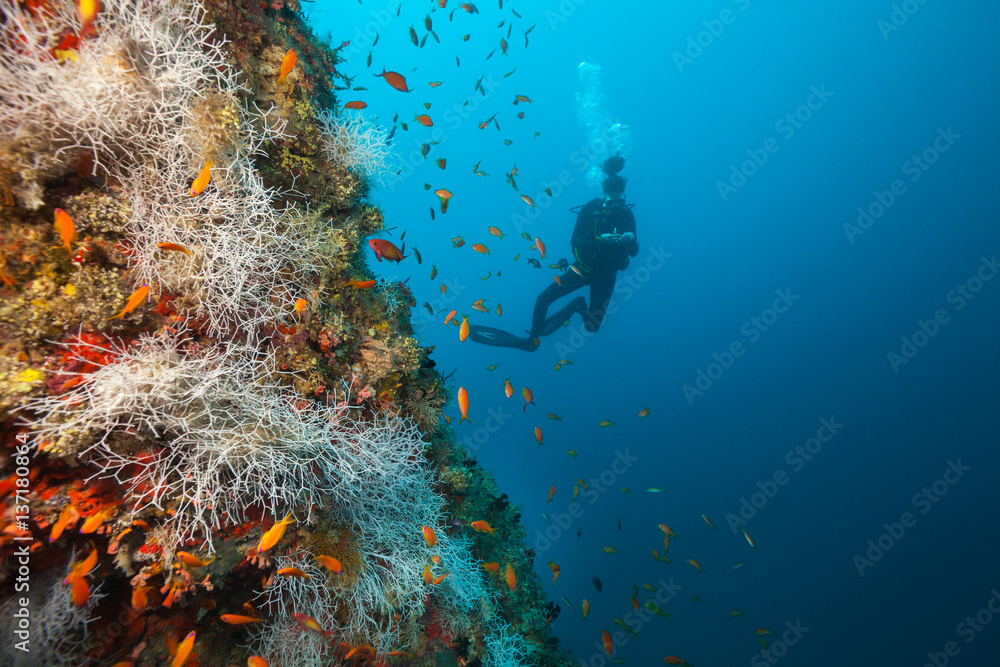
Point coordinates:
[[570, 282], [554, 322], [602, 287]]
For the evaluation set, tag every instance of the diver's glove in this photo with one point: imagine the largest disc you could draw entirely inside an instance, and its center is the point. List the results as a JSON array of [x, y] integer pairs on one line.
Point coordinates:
[[608, 239], [627, 237]]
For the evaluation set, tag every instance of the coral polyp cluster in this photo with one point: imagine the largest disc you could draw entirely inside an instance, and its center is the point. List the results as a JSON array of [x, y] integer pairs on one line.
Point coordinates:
[[210, 431]]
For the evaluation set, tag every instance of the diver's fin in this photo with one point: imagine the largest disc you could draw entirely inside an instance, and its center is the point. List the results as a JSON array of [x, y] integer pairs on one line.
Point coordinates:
[[500, 338], [554, 322]]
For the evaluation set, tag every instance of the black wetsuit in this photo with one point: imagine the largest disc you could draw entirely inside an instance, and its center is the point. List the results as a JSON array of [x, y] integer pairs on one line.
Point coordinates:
[[598, 262]]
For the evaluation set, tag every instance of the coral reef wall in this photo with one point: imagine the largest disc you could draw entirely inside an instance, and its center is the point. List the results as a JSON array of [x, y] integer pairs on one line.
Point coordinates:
[[220, 439]]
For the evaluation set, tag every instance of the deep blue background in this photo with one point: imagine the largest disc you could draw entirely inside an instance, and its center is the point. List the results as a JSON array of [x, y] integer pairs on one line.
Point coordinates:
[[826, 357]]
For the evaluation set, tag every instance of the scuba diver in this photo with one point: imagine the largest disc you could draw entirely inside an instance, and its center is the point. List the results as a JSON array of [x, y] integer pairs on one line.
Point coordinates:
[[603, 241]]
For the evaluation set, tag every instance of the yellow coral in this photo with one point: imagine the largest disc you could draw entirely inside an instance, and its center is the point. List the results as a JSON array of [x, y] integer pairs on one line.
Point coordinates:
[[29, 375]]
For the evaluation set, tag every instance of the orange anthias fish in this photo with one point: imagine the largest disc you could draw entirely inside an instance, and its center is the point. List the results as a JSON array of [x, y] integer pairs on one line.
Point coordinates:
[[482, 527], [356, 105], [293, 572], [239, 619], [429, 535], [463, 401], [463, 331], [423, 119], [552, 492], [183, 650], [538, 436], [491, 567], [667, 530], [191, 560], [511, 577], [274, 534], [674, 660], [480, 248], [496, 232], [201, 182], [451, 315], [308, 623], [361, 284], [528, 398], [708, 520], [330, 563], [287, 63], [256, 661], [66, 228], [133, 302], [174, 247], [385, 249], [693, 563], [529, 202], [606, 640], [60, 525], [586, 610], [394, 79], [555, 571], [88, 12], [508, 388], [95, 521], [540, 246], [444, 195]]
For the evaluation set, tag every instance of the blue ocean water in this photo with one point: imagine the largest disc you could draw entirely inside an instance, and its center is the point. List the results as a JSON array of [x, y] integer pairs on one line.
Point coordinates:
[[811, 318]]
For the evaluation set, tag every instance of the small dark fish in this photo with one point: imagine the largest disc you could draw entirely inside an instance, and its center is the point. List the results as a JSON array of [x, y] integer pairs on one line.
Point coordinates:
[[423, 41], [425, 149], [359, 88], [432, 213], [534, 262], [435, 36], [434, 271], [375, 41], [516, 14], [416, 253], [369, 58], [427, 186], [413, 36], [457, 62], [491, 54], [597, 584], [510, 72], [403, 235], [428, 307], [619, 524]]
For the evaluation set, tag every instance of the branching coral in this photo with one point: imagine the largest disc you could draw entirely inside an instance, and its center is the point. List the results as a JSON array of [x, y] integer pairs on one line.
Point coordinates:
[[58, 628], [121, 95], [356, 143], [215, 437]]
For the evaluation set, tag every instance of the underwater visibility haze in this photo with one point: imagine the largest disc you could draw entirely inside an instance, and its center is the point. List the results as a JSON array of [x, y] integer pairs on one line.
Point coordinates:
[[269, 330]]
